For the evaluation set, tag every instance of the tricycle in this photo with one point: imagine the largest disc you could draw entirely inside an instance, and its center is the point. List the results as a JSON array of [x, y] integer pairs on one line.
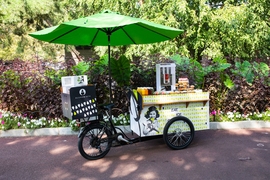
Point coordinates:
[[162, 116]]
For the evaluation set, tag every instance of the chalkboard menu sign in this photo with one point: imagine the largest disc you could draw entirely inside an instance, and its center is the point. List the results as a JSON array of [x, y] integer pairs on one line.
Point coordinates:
[[83, 102]]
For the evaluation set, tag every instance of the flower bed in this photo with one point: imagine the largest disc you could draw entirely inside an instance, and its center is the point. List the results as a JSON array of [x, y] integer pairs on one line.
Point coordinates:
[[23, 121], [220, 116]]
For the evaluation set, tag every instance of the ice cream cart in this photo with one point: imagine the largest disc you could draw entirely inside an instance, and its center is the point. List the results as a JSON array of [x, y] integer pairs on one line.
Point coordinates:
[[176, 110]]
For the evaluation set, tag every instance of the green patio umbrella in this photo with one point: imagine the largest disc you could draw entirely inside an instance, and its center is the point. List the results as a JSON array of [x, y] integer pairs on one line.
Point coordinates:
[[107, 29]]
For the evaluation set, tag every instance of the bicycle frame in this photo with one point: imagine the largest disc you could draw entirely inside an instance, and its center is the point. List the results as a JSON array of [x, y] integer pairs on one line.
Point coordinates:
[[108, 111]]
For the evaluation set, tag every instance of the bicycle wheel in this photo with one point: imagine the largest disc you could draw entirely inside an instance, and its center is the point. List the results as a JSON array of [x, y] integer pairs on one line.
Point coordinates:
[[94, 143], [178, 133]]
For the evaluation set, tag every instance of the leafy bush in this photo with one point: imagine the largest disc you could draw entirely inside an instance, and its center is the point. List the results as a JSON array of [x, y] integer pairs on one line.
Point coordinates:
[[35, 89]]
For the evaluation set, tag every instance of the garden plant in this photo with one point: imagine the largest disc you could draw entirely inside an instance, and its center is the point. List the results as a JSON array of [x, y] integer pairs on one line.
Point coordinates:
[[224, 50]]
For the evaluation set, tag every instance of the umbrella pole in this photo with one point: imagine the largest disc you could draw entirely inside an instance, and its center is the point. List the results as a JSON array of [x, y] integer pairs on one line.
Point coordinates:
[[110, 83], [109, 62]]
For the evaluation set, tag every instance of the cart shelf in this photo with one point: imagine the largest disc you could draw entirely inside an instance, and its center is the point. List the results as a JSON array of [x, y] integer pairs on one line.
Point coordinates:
[[176, 102], [186, 98]]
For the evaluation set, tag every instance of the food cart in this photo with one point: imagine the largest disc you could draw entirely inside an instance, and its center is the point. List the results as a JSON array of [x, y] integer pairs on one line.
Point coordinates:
[[181, 100], [175, 111]]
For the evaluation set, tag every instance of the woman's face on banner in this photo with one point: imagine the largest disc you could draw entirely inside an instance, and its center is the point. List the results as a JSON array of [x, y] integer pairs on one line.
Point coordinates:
[[152, 114]]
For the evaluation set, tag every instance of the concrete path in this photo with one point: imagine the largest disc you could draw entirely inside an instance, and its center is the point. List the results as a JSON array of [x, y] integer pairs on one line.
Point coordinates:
[[234, 154]]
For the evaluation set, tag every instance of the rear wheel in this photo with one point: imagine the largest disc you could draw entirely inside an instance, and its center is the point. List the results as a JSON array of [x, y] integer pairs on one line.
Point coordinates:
[[94, 142], [178, 133]]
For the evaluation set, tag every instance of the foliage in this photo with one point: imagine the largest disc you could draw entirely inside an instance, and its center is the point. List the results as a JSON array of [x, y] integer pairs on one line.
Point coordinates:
[[74, 125], [251, 71], [23, 91], [100, 66], [212, 28], [226, 82], [81, 68], [182, 63], [120, 70], [10, 77], [198, 71], [55, 75], [18, 18], [143, 74]]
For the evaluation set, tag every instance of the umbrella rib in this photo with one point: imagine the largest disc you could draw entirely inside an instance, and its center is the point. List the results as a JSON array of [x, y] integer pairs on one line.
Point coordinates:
[[63, 34], [109, 31], [94, 37], [153, 31], [128, 35]]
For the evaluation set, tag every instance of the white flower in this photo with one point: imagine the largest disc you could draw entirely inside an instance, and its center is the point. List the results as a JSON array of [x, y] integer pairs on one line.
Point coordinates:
[[230, 116], [5, 115], [229, 113]]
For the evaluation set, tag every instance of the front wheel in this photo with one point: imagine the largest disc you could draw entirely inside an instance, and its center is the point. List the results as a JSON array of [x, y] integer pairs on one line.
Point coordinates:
[[94, 142], [178, 133]]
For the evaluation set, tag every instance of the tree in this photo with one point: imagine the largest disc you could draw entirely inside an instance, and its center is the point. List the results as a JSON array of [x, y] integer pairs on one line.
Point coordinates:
[[211, 28]]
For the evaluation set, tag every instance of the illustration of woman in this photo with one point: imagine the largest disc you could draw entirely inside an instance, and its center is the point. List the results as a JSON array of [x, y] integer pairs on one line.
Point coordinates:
[[151, 124]]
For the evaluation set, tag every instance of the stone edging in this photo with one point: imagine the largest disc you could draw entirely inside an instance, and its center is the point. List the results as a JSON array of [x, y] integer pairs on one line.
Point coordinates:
[[126, 129], [239, 125]]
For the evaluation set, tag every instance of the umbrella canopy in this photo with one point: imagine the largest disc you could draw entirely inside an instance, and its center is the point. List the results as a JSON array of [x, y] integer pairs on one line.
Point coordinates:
[[107, 29]]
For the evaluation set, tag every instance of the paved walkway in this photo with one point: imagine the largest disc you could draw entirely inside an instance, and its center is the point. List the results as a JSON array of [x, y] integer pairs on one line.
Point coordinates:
[[213, 155]]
